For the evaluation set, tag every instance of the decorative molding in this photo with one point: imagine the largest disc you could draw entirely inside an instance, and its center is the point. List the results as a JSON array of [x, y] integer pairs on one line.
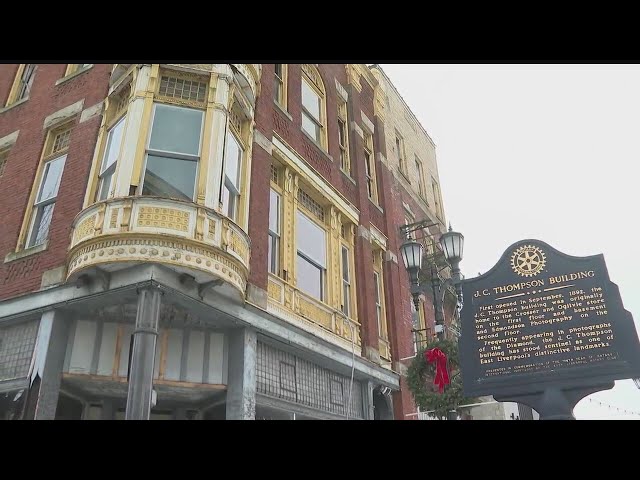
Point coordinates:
[[262, 141], [368, 124], [86, 228], [378, 237], [341, 91], [89, 113], [162, 231], [356, 128], [159, 217], [63, 114], [312, 72], [379, 103], [138, 248], [353, 76], [364, 233], [317, 182], [9, 140]]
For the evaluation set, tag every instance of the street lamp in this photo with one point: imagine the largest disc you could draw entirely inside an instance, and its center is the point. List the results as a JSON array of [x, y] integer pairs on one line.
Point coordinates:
[[452, 244]]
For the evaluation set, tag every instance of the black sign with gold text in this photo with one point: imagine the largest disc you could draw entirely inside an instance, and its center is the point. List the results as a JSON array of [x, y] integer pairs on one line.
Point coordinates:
[[542, 319]]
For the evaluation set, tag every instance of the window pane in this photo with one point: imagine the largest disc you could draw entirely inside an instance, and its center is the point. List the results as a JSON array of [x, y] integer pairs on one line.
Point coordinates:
[[274, 212], [114, 140], [345, 299], [341, 133], [345, 264], [278, 68], [232, 159], [170, 177], [41, 225], [309, 278], [229, 200], [273, 254], [311, 100], [376, 281], [176, 129], [311, 239], [105, 185], [309, 126], [51, 179]]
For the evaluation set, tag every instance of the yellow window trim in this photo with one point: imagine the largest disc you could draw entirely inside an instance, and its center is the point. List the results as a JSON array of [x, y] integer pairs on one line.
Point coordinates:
[[377, 268], [15, 87], [46, 155], [288, 156]]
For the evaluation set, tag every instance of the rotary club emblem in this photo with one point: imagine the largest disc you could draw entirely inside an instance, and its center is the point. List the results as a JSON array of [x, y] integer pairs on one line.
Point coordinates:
[[528, 260]]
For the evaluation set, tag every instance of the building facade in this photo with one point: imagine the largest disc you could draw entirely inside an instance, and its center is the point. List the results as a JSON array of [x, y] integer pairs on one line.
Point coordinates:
[[208, 241]]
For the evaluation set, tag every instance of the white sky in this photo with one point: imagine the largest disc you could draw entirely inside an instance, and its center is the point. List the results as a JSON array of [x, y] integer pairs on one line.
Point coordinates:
[[548, 152]]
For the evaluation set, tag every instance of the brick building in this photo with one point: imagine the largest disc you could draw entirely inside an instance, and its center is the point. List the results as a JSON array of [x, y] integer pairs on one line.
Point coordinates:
[[209, 241]]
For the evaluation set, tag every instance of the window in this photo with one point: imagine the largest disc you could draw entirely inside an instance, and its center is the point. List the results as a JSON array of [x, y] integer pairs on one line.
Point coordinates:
[[436, 197], [346, 283], [22, 83], [420, 172], [311, 257], [313, 106], [370, 168], [274, 232], [45, 200], [343, 137], [379, 295], [173, 152], [232, 168], [376, 280], [109, 161], [402, 160], [75, 67], [4, 154], [280, 87]]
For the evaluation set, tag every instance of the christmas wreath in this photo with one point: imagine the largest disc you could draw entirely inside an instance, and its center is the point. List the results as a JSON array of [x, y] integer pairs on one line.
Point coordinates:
[[434, 379]]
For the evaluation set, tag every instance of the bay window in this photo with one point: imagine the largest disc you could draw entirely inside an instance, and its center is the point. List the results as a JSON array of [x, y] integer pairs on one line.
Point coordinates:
[[173, 152]]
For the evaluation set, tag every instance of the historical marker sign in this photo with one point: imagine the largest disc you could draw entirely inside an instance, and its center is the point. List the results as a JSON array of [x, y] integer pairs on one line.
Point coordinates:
[[541, 320]]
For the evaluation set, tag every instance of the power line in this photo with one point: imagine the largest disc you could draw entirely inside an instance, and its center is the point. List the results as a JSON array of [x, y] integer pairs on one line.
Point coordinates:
[[612, 407]]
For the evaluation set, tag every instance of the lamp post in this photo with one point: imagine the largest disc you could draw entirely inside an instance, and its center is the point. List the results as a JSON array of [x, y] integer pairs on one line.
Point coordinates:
[[452, 244]]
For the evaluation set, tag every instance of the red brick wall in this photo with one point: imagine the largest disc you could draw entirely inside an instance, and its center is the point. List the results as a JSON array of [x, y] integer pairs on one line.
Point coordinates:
[[24, 275]]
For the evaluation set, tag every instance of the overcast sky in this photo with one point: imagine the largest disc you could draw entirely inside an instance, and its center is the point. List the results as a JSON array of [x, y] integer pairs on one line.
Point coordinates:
[[548, 152]]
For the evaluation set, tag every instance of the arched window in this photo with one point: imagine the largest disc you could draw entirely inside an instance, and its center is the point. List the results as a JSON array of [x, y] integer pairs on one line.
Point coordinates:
[[313, 105]]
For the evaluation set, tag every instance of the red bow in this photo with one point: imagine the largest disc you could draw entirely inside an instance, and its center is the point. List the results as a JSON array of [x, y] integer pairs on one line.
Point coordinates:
[[442, 375]]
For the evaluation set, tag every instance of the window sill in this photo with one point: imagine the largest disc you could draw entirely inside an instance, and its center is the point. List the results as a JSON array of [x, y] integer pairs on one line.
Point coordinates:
[[318, 146], [283, 110], [73, 75], [376, 205], [349, 177], [14, 104], [404, 175], [12, 256]]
